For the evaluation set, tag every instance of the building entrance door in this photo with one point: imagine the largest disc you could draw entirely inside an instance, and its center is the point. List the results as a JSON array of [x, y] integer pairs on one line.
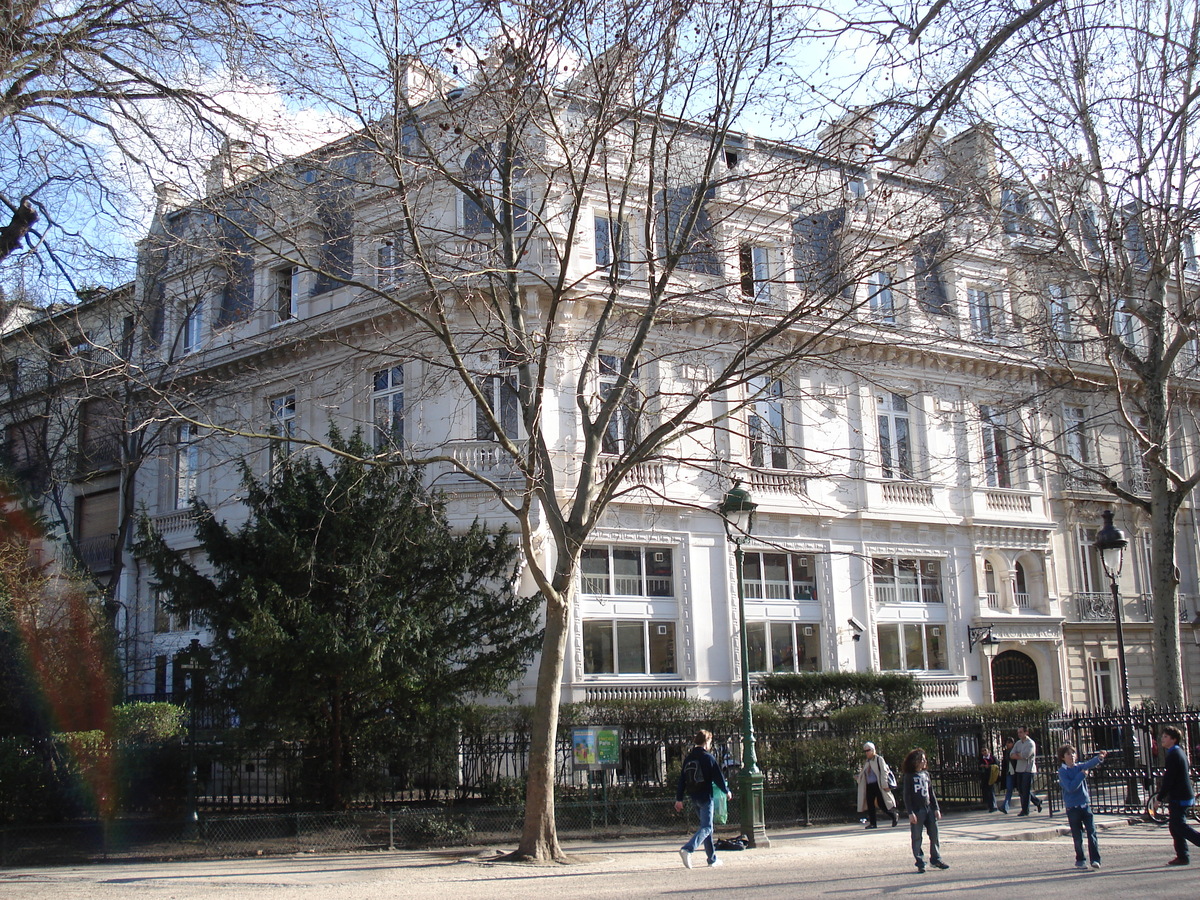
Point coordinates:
[[1014, 677]]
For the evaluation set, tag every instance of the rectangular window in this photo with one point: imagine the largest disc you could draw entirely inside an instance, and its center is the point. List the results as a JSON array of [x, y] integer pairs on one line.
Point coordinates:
[[687, 231], [754, 269], [1061, 320], [1075, 434], [187, 464], [779, 576], [628, 647], [499, 404], [895, 439], [979, 304], [627, 571], [622, 429], [283, 427], [911, 647], [899, 580], [1104, 684], [881, 301], [387, 408], [287, 292], [193, 328], [998, 463], [1127, 326], [389, 262], [612, 245], [164, 619], [765, 425], [783, 646]]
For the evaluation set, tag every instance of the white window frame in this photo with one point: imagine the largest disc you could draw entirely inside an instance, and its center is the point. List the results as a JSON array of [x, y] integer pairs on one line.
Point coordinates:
[[285, 292], [650, 628], [284, 421], [881, 299], [193, 328], [928, 631], [908, 580], [387, 407], [766, 424], [187, 464], [389, 261], [1104, 683], [1076, 439], [1002, 466], [764, 631], [613, 246], [894, 425], [622, 429], [647, 586], [983, 312], [500, 393], [1061, 315], [799, 584], [755, 272]]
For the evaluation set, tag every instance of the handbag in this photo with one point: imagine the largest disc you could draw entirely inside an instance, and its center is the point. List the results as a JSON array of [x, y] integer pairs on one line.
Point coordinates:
[[891, 779], [720, 806], [993, 774]]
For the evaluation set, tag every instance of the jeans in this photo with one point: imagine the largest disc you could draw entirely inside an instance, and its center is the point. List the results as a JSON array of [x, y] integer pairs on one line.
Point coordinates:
[[1080, 820], [927, 820], [704, 808], [1010, 785], [1025, 786], [1181, 831]]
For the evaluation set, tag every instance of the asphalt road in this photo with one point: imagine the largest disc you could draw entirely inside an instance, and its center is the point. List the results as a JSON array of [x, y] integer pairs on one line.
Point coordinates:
[[997, 856]]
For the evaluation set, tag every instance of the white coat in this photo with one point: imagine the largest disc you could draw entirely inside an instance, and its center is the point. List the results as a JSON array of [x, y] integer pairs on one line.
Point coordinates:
[[880, 767]]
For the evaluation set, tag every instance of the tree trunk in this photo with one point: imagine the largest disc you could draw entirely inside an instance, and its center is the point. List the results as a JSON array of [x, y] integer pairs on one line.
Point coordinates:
[[539, 838], [1168, 671]]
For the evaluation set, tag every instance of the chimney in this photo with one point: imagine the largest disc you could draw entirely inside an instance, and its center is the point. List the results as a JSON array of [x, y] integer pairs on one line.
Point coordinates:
[[235, 161]]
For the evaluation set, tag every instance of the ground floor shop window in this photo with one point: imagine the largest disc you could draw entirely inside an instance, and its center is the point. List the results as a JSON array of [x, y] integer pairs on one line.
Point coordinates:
[[628, 647]]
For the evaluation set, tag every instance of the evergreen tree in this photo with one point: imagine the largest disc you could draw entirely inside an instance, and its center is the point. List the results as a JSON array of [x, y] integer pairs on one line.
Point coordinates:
[[346, 611]]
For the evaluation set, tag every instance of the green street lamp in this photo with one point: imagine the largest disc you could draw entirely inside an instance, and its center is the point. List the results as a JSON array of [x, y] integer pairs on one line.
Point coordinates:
[[1110, 543], [737, 514]]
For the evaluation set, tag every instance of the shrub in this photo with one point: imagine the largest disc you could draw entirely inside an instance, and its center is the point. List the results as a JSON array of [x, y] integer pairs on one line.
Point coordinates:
[[821, 693], [149, 723]]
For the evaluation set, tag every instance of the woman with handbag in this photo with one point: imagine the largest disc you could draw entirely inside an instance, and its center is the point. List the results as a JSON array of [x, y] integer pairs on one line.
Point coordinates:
[[875, 785]]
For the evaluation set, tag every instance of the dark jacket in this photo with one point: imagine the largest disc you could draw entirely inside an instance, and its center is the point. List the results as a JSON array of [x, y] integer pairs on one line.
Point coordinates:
[[1176, 786], [918, 792], [699, 773], [986, 761]]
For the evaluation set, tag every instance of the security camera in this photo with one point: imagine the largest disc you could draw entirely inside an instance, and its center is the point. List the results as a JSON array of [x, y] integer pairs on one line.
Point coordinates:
[[858, 626]]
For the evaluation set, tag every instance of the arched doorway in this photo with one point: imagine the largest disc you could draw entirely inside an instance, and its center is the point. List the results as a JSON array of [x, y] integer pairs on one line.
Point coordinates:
[[1014, 677]]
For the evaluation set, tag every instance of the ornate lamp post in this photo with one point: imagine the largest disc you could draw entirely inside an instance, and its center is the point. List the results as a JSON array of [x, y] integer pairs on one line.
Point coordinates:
[[192, 668], [737, 514], [1110, 543], [982, 636]]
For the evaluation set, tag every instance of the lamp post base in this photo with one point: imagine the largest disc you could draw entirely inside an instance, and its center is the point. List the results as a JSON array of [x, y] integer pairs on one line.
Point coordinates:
[[754, 826]]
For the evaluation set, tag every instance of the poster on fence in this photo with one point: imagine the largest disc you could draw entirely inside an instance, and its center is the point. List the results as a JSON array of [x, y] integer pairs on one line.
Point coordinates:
[[595, 747]]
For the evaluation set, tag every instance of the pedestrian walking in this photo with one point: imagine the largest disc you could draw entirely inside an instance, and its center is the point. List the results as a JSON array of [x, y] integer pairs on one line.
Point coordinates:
[[923, 810], [1072, 776], [1176, 790], [1024, 751], [1008, 767], [989, 774], [875, 785], [699, 778]]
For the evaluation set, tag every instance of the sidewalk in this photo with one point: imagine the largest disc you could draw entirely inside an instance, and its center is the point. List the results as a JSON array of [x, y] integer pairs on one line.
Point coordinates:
[[807, 861]]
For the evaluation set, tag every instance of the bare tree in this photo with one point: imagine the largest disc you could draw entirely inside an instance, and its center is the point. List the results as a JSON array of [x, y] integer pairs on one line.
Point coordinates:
[[1096, 120]]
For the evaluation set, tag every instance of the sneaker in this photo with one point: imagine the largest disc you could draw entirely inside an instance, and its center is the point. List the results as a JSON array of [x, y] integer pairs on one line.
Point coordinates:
[[1003, 809], [1179, 861], [1095, 863], [715, 862], [1080, 864], [1023, 813], [920, 868], [686, 857], [1038, 804], [938, 864]]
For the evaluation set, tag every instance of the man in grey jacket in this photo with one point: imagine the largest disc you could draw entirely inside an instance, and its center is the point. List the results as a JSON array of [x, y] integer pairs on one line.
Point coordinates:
[[1024, 751]]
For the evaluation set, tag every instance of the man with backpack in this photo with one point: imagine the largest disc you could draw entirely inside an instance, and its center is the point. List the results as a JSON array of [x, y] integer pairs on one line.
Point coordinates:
[[700, 777]]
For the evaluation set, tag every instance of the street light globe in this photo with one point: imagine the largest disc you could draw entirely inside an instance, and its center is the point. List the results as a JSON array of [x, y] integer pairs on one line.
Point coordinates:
[[737, 512], [1110, 543]]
